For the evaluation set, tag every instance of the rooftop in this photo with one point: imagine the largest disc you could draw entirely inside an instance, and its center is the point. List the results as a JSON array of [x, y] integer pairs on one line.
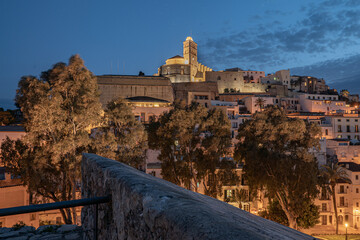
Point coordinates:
[[146, 99]]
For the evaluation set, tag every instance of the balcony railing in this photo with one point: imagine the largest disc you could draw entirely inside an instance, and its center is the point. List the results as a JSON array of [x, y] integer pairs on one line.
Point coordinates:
[[58, 205]]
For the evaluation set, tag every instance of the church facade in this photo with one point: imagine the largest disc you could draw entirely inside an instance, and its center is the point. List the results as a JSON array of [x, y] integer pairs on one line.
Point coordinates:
[[185, 68]]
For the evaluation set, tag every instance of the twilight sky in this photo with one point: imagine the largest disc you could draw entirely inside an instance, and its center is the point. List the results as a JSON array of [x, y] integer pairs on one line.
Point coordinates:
[[124, 37]]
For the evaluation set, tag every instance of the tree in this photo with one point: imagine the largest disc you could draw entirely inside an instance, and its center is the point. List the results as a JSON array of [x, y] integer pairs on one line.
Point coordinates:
[[241, 195], [309, 218], [59, 111], [6, 118], [121, 137], [260, 102], [194, 143], [275, 150], [335, 173], [344, 93]]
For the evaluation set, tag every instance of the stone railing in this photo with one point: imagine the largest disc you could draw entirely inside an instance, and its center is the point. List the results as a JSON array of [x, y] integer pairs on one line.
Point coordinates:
[[145, 207]]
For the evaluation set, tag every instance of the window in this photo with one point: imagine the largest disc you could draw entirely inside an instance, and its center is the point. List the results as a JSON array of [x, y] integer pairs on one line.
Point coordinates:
[[339, 128], [330, 219], [232, 134], [356, 120], [347, 128], [356, 176], [347, 120], [218, 78], [356, 128], [326, 132], [2, 173], [142, 117], [357, 204], [342, 201], [323, 207], [357, 190], [228, 195], [234, 124], [323, 220], [342, 189], [33, 216], [246, 207], [339, 120]]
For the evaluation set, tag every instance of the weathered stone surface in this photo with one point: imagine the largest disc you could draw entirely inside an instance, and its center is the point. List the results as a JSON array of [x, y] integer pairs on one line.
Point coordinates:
[[55, 236], [66, 228], [47, 228], [145, 207], [26, 229], [9, 234], [5, 230], [72, 236], [48, 232], [19, 238]]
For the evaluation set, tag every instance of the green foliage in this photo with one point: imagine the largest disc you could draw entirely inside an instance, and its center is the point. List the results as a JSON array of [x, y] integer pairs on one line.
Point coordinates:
[[18, 225], [6, 118], [344, 93], [193, 143], [240, 196], [59, 109], [309, 217], [122, 137], [275, 150], [260, 102]]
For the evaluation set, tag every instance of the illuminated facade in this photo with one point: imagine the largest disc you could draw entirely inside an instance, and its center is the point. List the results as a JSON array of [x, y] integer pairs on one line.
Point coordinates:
[[186, 68]]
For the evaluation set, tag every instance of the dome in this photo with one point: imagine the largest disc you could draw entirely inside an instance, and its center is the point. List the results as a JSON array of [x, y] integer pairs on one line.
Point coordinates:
[[189, 39]]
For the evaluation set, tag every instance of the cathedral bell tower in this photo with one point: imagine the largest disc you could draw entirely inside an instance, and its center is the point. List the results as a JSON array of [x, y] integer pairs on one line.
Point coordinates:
[[190, 56]]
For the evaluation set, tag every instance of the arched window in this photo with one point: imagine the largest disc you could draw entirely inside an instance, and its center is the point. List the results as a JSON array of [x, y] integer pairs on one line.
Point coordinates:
[[341, 219], [218, 78]]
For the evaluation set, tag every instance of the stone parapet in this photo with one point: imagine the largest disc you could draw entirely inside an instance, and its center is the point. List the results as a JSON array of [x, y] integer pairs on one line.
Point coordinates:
[[47, 232], [145, 207]]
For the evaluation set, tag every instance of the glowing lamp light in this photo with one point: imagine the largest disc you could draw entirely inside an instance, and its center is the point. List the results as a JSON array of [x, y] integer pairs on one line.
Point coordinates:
[[346, 225]]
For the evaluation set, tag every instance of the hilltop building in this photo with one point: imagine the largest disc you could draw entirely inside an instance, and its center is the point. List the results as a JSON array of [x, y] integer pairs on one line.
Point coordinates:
[[114, 86], [184, 68]]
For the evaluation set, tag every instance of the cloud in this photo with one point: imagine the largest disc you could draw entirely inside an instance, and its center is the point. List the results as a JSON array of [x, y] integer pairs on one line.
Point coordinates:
[[325, 27]]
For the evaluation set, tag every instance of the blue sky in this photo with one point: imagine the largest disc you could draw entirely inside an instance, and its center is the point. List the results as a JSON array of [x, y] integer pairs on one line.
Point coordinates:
[[124, 37]]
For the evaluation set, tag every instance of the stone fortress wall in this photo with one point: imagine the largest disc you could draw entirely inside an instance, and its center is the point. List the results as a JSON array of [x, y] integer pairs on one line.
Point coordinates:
[[145, 207]]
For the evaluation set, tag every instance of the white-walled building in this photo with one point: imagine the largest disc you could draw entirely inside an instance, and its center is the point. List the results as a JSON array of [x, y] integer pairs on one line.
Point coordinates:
[[328, 104]]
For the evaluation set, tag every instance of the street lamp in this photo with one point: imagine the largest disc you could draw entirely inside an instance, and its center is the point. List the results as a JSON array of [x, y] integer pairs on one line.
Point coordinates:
[[346, 225]]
